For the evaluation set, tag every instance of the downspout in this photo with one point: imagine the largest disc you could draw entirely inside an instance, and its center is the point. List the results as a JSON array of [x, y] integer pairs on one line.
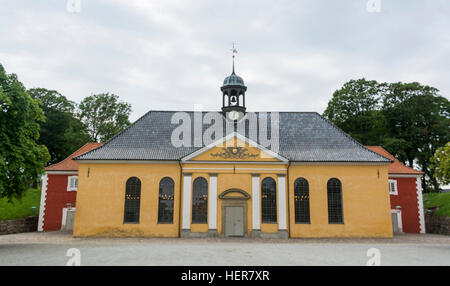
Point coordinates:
[[179, 207], [289, 200]]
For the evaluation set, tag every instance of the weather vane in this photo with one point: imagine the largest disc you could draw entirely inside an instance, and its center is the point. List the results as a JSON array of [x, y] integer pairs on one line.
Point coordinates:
[[233, 50]]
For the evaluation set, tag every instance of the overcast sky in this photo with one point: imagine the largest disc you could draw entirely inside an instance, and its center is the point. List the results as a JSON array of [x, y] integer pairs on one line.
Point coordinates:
[[173, 54]]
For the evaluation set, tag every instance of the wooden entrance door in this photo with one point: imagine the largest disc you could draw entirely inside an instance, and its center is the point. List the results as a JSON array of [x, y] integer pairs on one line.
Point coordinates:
[[234, 221]]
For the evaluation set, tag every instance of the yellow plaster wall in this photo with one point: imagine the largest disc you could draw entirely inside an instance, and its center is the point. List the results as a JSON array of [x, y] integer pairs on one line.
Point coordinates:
[[101, 200], [366, 203]]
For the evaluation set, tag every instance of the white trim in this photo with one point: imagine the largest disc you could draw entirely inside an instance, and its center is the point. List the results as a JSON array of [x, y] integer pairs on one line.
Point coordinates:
[[256, 204], [238, 162], [404, 176], [340, 163], [43, 202], [69, 188], [394, 190], [420, 204], [127, 161], [282, 225], [399, 218], [260, 169], [228, 137], [212, 198], [208, 168], [186, 224], [61, 172], [64, 216]]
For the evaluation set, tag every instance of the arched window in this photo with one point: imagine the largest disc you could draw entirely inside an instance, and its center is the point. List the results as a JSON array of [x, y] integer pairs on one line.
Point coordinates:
[[334, 191], [166, 196], [200, 201], [269, 201], [132, 200], [301, 197]]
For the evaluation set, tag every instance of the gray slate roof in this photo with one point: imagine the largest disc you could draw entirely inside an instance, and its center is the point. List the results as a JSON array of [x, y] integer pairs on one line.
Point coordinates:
[[304, 137]]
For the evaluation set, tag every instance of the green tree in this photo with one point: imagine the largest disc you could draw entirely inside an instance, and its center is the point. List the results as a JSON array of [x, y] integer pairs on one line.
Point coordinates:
[[355, 108], [62, 132], [104, 115], [22, 159], [440, 163], [418, 116], [408, 119]]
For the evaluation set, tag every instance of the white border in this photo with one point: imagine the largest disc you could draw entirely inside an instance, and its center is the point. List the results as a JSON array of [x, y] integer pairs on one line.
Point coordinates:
[[420, 204], [256, 207], [395, 192], [212, 198], [187, 181], [282, 225], [43, 202], [68, 184]]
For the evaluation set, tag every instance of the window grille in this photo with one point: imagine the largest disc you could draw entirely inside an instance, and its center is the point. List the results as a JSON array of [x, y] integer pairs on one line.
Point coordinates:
[[393, 187], [334, 190], [301, 199], [132, 200], [166, 197], [268, 201], [72, 184], [200, 201]]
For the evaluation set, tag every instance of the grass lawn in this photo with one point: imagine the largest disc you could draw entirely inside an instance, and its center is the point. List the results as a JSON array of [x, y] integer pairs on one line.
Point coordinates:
[[22, 208], [442, 200]]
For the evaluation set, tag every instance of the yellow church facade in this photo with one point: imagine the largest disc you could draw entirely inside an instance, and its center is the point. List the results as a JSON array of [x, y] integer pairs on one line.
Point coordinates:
[[232, 173], [233, 184]]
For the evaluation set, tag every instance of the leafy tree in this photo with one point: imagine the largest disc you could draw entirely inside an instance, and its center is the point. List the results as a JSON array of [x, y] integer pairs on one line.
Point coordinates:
[[440, 163], [408, 119], [22, 159], [418, 116], [104, 115], [62, 132], [355, 108]]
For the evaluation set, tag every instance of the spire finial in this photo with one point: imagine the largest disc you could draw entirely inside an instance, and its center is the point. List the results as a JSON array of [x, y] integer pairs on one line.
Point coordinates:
[[234, 52]]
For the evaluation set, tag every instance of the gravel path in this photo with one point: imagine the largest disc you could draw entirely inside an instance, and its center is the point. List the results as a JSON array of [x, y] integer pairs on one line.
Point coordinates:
[[50, 249]]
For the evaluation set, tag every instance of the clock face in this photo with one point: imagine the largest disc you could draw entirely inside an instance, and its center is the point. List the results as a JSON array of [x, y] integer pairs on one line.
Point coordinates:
[[233, 115]]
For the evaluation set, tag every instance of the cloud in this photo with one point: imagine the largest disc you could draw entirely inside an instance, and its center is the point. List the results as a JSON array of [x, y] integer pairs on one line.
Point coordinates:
[[173, 54]]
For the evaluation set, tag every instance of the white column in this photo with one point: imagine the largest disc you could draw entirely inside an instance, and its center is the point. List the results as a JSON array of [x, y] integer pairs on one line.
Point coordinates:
[[186, 201], [256, 207], [43, 202], [420, 204], [212, 199], [282, 202]]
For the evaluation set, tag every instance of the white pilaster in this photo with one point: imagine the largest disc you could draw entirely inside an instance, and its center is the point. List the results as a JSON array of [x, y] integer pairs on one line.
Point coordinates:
[[212, 199], [187, 201], [420, 204], [256, 200], [282, 225], [42, 204]]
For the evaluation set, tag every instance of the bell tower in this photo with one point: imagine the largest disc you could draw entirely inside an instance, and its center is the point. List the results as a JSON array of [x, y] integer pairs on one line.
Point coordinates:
[[233, 95]]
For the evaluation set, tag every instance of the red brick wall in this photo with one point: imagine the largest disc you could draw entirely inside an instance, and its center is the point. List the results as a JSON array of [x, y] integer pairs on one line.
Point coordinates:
[[407, 199], [56, 200]]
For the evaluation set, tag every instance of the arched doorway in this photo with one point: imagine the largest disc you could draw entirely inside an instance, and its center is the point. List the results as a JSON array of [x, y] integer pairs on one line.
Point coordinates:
[[234, 213]]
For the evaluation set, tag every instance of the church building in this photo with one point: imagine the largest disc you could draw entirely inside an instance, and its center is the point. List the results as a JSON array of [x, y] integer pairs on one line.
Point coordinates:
[[233, 173]]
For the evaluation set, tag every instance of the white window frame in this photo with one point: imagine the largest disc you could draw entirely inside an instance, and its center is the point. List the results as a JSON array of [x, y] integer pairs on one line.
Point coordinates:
[[395, 191], [69, 187]]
